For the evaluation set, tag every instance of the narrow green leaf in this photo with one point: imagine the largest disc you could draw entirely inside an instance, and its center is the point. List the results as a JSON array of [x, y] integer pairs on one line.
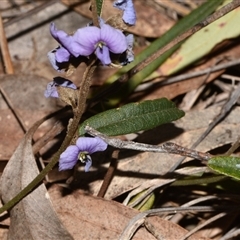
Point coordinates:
[[229, 166], [134, 117], [99, 4], [184, 24]]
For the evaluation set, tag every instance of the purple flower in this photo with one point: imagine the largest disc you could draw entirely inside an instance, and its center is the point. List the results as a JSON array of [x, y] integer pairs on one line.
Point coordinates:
[[129, 14], [51, 90], [81, 151], [57, 56], [88, 40]]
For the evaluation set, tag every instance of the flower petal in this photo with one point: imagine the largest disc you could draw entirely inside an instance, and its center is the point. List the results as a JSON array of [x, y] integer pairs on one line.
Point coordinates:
[[103, 55], [62, 55], [63, 38], [114, 39], [91, 145], [51, 90], [88, 163], [129, 14], [85, 40], [68, 158], [52, 58]]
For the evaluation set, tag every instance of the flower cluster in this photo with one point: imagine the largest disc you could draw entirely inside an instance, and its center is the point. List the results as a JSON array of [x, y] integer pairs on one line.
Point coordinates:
[[108, 44], [81, 151], [103, 41]]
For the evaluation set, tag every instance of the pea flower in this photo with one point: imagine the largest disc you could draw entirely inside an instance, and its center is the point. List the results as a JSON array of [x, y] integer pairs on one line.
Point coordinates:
[[81, 151], [51, 90], [129, 14], [87, 40]]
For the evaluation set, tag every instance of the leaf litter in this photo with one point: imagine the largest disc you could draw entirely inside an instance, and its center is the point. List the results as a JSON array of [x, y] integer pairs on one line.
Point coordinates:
[[85, 216]]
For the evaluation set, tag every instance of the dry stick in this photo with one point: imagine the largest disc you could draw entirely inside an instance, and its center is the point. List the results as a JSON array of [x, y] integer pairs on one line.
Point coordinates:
[[109, 175], [167, 147], [4, 49], [200, 73], [29, 13], [212, 219], [139, 219], [178, 216], [225, 110], [233, 233]]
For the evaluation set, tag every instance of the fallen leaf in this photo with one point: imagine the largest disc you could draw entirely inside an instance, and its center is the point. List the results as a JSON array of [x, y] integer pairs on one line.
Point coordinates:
[[33, 217], [88, 217], [26, 94]]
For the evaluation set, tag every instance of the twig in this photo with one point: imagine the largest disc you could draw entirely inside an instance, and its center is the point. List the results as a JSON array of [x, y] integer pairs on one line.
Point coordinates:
[[4, 49], [109, 175], [210, 220], [199, 73], [138, 220], [29, 13], [167, 147]]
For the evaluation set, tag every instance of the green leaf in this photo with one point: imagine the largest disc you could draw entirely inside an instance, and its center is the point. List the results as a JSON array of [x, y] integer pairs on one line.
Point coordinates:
[[229, 166], [202, 42], [99, 5], [183, 25], [134, 117]]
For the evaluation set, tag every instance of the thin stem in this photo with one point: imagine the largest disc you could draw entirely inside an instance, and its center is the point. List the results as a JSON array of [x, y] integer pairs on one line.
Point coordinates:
[[83, 93], [167, 147]]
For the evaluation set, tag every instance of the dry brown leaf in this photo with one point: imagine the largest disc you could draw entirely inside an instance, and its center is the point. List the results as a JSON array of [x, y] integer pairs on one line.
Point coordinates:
[[148, 18], [34, 216], [88, 217], [26, 93]]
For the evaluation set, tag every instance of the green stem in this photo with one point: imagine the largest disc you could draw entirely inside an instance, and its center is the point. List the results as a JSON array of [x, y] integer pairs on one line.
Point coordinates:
[[83, 93]]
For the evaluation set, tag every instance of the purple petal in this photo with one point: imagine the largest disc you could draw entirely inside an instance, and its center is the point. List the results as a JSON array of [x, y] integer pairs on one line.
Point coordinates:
[[103, 55], [130, 40], [51, 90], [85, 40], [120, 4], [88, 163], [129, 14], [68, 158], [62, 55], [91, 145], [52, 58], [114, 39], [63, 38]]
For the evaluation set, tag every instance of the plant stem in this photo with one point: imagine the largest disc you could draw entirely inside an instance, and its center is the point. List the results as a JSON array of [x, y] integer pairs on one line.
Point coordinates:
[[73, 126]]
